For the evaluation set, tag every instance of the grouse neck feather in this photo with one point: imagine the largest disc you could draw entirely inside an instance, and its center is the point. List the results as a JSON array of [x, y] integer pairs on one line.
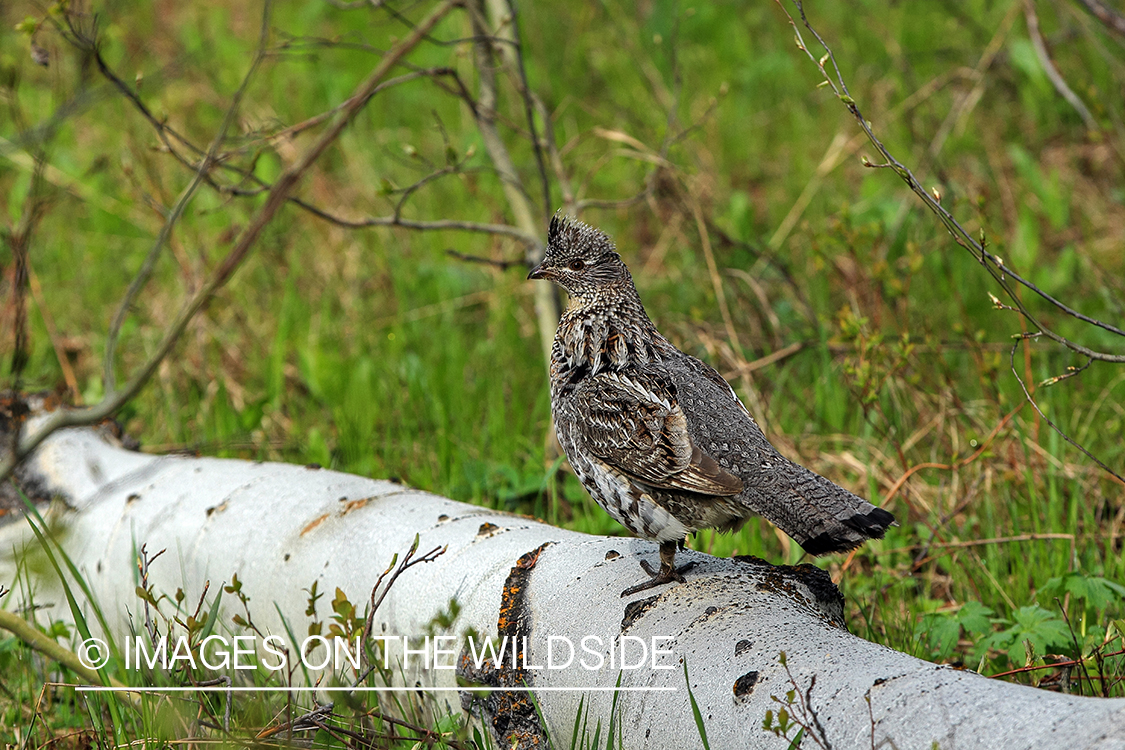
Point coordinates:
[[605, 331]]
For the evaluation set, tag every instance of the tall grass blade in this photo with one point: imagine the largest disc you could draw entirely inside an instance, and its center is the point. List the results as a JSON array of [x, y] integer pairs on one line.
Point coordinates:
[[79, 618], [695, 711]]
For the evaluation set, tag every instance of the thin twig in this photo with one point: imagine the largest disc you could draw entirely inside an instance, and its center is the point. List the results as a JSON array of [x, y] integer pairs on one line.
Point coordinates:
[[1056, 665], [985, 445], [993, 264], [528, 104], [408, 561], [503, 230], [612, 204], [503, 265], [396, 721], [1023, 386], [304, 722], [19, 243], [556, 158], [170, 136], [897, 485], [53, 334], [311, 122]]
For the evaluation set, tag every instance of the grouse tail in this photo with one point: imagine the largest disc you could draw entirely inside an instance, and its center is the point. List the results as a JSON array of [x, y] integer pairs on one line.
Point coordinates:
[[824, 517]]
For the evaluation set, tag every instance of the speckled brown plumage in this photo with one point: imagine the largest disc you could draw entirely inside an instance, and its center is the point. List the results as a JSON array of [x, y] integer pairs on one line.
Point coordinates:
[[656, 436]]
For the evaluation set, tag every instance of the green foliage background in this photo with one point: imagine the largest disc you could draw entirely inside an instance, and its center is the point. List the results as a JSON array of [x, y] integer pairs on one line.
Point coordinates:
[[373, 351]]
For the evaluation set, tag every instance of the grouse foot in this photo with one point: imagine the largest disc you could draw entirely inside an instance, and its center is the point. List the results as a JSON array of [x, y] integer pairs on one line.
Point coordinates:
[[667, 574]]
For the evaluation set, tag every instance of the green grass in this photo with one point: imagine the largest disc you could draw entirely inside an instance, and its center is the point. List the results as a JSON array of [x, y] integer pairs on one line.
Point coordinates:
[[373, 351]]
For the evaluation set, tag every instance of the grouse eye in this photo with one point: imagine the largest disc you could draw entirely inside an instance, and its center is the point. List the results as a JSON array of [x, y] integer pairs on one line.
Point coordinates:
[[576, 265]]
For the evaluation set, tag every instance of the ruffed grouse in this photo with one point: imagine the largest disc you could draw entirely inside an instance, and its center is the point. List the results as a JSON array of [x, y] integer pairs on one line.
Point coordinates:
[[657, 437]]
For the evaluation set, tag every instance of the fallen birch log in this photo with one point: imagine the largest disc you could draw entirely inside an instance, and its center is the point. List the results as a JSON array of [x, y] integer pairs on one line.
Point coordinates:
[[552, 593]]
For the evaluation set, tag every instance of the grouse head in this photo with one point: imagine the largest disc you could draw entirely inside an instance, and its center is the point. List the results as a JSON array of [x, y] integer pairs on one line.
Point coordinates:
[[580, 259]]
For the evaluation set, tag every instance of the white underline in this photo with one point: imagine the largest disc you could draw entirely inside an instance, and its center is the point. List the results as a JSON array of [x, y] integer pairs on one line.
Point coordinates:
[[305, 689]]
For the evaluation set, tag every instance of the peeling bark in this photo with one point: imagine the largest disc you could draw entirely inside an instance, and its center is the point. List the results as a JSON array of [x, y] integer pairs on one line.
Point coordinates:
[[281, 527]]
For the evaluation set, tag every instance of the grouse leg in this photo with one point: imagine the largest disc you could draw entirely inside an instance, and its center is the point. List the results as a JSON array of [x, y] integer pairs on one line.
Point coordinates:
[[667, 574]]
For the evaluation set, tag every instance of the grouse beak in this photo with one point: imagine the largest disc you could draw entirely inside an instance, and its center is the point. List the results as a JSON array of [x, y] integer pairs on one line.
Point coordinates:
[[540, 272]]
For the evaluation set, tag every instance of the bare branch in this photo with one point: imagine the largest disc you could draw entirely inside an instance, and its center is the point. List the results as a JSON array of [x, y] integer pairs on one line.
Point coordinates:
[[526, 229], [611, 203], [405, 193], [261, 186], [992, 263], [1113, 20], [88, 43], [345, 5], [315, 120], [504, 230], [1070, 373], [278, 196], [18, 239], [109, 375], [486, 121], [169, 137]]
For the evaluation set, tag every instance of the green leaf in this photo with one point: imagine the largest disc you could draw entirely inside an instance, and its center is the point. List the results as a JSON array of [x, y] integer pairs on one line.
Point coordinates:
[[1097, 592], [212, 616], [1041, 627], [975, 618], [940, 631], [27, 26], [1102, 592], [58, 629], [1119, 626]]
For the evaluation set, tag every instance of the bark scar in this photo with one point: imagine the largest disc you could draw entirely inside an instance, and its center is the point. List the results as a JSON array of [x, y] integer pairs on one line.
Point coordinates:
[[635, 611], [313, 524], [788, 580], [512, 715]]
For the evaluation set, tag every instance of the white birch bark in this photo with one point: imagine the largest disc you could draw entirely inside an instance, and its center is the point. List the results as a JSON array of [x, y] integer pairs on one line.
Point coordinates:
[[280, 527]]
